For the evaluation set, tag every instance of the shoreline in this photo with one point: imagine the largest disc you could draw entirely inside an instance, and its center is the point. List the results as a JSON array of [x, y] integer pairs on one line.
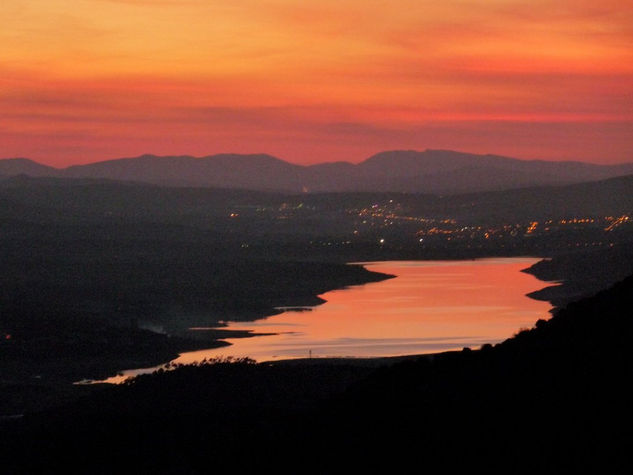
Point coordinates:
[[97, 369], [354, 360], [28, 371]]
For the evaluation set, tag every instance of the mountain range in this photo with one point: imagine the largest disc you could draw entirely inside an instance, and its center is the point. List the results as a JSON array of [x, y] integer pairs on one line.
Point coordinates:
[[409, 171]]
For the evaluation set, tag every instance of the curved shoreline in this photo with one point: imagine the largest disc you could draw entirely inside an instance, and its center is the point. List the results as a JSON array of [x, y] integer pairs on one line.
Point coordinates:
[[425, 340], [67, 371]]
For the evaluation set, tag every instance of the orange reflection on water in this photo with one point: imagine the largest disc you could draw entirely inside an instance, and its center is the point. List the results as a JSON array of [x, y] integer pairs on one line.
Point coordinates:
[[430, 306]]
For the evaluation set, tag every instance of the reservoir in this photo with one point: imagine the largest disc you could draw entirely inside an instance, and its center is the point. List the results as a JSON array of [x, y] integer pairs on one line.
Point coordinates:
[[429, 307]]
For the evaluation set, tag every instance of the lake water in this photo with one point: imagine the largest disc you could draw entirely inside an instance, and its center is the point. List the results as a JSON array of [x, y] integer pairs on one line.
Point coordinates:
[[431, 306]]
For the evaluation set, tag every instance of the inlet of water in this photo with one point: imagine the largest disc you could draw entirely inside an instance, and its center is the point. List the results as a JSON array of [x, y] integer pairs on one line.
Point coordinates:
[[430, 306]]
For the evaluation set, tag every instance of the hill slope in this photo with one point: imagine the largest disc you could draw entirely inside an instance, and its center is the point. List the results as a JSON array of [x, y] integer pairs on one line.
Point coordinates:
[[553, 399], [24, 166], [430, 171]]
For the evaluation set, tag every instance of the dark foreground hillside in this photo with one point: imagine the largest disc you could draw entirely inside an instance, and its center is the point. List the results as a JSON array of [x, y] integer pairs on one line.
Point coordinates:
[[556, 398]]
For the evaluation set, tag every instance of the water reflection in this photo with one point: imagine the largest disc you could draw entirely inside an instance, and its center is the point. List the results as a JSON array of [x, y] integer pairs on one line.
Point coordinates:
[[430, 306]]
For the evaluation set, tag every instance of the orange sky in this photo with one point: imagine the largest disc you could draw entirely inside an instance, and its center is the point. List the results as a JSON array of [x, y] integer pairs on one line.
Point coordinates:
[[85, 80]]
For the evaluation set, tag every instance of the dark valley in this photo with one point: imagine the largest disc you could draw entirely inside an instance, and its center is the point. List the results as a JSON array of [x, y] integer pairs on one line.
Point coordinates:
[[108, 270]]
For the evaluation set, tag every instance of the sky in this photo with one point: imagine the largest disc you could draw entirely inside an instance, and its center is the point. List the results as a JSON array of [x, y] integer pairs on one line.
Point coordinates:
[[309, 82]]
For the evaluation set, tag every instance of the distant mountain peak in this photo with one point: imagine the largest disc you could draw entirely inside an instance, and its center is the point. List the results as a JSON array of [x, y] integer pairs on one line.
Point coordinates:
[[25, 166], [435, 171]]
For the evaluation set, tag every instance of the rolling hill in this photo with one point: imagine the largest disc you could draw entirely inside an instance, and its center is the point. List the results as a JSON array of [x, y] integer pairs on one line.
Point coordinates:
[[430, 171]]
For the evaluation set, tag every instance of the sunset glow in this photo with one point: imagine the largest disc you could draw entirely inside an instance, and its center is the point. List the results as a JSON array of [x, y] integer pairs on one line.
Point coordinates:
[[431, 306], [87, 80]]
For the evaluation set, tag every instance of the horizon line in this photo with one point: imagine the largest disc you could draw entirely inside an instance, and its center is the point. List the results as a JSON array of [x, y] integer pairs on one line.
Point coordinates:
[[255, 154]]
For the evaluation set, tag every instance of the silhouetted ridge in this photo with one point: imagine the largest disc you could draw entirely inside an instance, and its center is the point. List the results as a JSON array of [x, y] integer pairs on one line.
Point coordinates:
[[551, 398], [554, 399], [408, 171], [24, 166], [259, 172]]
